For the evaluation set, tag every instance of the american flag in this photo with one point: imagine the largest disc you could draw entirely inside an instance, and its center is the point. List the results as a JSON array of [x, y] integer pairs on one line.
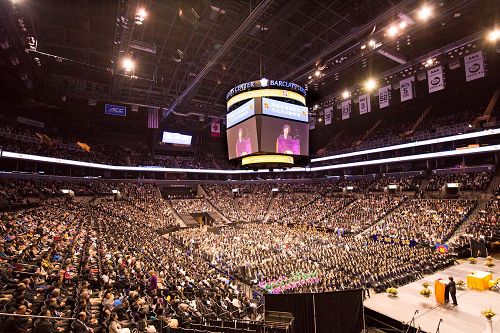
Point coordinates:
[[153, 120]]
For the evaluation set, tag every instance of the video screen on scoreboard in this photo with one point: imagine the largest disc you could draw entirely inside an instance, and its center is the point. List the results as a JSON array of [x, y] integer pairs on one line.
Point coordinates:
[[241, 113], [284, 136], [286, 110], [242, 139], [176, 138]]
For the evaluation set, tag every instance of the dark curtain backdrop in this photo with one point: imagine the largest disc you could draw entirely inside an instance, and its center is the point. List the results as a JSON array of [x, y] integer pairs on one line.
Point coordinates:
[[336, 312], [300, 305]]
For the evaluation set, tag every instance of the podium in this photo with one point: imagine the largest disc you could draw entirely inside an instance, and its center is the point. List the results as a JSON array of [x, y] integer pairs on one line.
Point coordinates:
[[440, 290], [479, 280]]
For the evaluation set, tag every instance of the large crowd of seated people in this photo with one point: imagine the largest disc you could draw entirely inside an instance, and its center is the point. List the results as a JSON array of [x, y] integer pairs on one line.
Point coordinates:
[[106, 262], [23, 139], [99, 264], [404, 183], [458, 110], [287, 206], [191, 205], [19, 191], [486, 225], [427, 221], [362, 212], [281, 259], [470, 181], [147, 198]]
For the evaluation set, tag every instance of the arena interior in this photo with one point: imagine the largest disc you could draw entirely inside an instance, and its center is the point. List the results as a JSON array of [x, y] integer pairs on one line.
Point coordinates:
[[249, 166]]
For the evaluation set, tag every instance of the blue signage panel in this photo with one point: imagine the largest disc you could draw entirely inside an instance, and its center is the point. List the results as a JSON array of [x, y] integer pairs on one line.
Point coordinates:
[[115, 110], [284, 110], [241, 113]]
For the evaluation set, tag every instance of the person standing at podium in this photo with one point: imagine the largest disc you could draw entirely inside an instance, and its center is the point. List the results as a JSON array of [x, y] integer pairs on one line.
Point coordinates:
[[451, 289]]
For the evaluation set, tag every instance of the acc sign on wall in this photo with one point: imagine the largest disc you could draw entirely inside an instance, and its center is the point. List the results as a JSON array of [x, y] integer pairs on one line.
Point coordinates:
[[435, 79]]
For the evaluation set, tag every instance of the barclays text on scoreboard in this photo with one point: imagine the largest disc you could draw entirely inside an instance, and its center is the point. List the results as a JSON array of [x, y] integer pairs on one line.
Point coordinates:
[[265, 83]]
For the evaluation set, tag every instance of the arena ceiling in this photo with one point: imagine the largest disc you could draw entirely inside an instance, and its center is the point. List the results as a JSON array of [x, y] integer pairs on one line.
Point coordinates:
[[187, 48]]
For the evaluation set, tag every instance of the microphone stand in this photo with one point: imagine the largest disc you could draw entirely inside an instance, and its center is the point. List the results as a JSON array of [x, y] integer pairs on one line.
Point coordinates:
[[411, 323], [440, 321]]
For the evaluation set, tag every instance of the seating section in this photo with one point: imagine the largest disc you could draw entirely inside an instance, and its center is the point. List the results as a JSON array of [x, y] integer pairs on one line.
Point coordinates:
[[281, 259], [188, 206], [147, 198], [364, 211], [467, 181], [428, 221], [117, 263], [486, 225], [404, 183]]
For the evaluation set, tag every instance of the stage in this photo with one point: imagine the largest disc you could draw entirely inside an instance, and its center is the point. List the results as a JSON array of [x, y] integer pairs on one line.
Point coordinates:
[[466, 317]]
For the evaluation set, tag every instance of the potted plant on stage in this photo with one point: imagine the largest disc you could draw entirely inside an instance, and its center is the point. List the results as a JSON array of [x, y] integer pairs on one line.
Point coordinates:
[[488, 314], [426, 292], [472, 260], [392, 292], [460, 285], [489, 262]]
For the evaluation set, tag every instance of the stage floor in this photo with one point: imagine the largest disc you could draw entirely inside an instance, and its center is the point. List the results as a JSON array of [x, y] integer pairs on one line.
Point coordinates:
[[466, 317]]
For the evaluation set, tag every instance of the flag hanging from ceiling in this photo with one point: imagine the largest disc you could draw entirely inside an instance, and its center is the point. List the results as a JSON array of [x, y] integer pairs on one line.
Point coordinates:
[[364, 104], [215, 128], [153, 120], [474, 66], [407, 88], [435, 79], [328, 115], [384, 96], [346, 109]]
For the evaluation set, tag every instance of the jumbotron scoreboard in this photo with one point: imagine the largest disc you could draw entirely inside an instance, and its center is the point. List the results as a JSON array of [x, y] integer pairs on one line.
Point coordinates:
[[267, 124]]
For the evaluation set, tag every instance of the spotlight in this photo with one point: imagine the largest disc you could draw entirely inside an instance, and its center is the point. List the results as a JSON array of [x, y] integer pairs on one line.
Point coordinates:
[[317, 73], [370, 84], [493, 35], [140, 16], [424, 13], [346, 94], [363, 46], [429, 62], [392, 31], [320, 119], [128, 64], [403, 25], [372, 42]]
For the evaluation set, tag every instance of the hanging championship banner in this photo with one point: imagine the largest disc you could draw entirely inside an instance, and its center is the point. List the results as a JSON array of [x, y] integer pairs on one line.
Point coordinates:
[[435, 79], [346, 109], [384, 96], [328, 115], [474, 66], [407, 88], [364, 104]]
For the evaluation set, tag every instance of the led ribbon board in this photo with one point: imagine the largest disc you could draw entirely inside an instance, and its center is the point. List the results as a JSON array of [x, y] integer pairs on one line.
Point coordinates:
[[267, 159], [266, 93]]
